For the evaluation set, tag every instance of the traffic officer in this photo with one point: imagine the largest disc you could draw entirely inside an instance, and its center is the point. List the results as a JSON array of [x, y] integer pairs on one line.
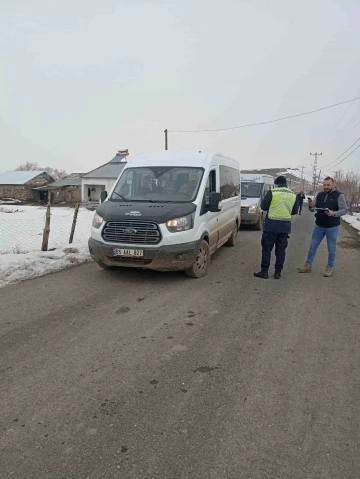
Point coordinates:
[[280, 203]]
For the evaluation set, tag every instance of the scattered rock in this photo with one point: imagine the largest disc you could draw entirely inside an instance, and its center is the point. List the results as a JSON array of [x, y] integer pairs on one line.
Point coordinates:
[[123, 310], [70, 250]]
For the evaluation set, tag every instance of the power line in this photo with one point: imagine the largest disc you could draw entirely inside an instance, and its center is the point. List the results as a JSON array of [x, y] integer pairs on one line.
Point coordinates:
[[342, 132], [266, 122], [356, 124], [347, 156], [342, 116], [343, 153]]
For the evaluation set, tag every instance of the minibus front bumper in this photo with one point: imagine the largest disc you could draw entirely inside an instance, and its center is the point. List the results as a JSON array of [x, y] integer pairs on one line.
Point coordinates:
[[162, 258], [249, 218]]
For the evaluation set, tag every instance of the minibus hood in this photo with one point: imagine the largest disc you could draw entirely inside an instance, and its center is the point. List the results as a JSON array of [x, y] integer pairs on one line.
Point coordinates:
[[157, 212], [249, 201]]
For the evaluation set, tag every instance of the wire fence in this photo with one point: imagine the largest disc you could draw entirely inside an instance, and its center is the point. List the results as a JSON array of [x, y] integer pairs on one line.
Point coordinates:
[[22, 228]]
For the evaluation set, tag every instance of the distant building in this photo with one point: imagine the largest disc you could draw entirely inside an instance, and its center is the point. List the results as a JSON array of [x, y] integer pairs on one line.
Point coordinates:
[[21, 185], [67, 190], [102, 178]]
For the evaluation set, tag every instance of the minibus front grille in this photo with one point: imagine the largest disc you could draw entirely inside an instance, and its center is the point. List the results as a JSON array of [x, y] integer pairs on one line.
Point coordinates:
[[132, 232]]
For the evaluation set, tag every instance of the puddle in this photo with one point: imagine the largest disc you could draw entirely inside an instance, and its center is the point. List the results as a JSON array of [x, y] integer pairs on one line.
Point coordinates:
[[349, 243]]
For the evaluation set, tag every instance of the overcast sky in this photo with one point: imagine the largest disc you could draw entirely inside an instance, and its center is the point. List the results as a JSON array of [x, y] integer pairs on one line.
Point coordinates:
[[81, 79]]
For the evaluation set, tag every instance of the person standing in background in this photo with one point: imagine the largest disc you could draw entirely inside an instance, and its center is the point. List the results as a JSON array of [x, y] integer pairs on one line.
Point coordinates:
[[300, 199], [329, 205], [280, 204]]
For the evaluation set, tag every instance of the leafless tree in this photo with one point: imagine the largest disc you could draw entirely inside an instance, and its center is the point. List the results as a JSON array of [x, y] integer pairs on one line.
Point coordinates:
[[349, 184], [55, 173], [28, 166]]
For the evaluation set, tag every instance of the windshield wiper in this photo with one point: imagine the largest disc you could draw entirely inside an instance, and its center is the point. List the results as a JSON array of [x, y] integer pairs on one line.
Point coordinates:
[[120, 196]]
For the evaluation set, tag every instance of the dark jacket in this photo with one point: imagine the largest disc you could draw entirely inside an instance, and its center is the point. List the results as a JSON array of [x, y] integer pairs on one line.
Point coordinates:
[[275, 226], [335, 201], [300, 198]]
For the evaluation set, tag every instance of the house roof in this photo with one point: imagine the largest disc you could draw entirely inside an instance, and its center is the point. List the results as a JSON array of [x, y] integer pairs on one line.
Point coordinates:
[[109, 170], [73, 175], [19, 177], [60, 183]]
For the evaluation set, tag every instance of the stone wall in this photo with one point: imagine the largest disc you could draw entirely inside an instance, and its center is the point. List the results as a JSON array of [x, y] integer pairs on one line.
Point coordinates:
[[17, 192], [66, 194], [25, 192]]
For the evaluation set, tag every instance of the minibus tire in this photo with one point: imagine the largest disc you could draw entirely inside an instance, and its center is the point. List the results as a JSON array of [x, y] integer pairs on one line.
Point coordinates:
[[201, 265], [233, 238], [259, 224]]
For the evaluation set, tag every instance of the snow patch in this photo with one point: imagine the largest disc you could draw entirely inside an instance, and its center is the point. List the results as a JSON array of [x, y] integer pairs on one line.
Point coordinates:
[[354, 220], [21, 237], [18, 267]]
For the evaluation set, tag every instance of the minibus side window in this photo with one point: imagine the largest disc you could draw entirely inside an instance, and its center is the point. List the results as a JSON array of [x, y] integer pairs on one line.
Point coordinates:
[[210, 188], [265, 190], [229, 182]]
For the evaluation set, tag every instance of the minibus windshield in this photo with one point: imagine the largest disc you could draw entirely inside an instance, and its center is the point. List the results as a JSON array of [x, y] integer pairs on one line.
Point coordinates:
[[158, 184], [250, 189]]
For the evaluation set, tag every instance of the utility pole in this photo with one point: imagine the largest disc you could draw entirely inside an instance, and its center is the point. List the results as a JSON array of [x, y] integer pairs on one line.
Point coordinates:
[[302, 177], [318, 180], [166, 139], [315, 169]]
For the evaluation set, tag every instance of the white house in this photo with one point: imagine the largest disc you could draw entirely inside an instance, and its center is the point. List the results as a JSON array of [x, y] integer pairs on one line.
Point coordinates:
[[102, 178]]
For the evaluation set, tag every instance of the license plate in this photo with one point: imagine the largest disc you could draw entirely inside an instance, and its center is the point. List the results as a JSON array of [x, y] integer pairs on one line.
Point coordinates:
[[128, 253]]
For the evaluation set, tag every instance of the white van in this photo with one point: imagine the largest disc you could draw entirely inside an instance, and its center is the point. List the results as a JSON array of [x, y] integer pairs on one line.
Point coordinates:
[[168, 211], [253, 189]]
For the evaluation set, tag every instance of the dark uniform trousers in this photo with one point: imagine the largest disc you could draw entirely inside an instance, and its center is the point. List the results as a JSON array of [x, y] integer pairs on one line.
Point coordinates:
[[268, 240]]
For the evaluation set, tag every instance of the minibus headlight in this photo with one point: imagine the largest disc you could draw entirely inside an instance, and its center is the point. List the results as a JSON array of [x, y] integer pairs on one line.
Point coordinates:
[[184, 223], [97, 221], [253, 208]]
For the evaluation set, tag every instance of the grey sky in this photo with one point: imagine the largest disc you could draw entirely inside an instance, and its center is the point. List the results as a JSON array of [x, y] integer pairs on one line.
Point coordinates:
[[79, 80]]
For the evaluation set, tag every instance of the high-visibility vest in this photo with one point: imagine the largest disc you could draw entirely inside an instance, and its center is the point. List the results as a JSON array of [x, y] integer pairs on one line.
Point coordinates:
[[282, 203]]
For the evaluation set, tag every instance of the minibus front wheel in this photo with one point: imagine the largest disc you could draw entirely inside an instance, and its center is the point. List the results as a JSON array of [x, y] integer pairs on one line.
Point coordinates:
[[200, 267]]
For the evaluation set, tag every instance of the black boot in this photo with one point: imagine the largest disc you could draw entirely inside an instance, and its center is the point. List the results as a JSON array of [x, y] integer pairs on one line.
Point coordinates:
[[262, 275], [277, 275]]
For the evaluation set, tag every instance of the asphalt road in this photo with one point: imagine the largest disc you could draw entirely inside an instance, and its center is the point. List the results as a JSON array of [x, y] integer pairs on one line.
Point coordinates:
[[138, 375]]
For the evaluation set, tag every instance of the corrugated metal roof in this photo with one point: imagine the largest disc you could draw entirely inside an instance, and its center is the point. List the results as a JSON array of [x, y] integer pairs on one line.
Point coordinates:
[[74, 175], [109, 170], [18, 177], [60, 183]]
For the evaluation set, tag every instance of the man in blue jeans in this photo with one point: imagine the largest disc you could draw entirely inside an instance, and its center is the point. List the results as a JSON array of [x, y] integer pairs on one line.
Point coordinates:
[[329, 205]]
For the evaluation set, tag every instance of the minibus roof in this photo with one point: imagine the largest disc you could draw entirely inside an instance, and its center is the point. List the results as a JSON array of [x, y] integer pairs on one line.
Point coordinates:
[[182, 158], [257, 178]]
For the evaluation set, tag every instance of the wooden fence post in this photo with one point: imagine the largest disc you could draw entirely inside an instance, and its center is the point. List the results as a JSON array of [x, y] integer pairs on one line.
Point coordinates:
[[74, 223], [46, 233]]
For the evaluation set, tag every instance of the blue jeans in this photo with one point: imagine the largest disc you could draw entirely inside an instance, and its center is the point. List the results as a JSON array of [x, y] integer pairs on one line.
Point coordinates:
[[331, 237]]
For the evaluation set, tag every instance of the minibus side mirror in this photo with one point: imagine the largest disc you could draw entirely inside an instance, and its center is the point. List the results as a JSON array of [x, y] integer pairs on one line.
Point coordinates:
[[103, 196], [214, 202]]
